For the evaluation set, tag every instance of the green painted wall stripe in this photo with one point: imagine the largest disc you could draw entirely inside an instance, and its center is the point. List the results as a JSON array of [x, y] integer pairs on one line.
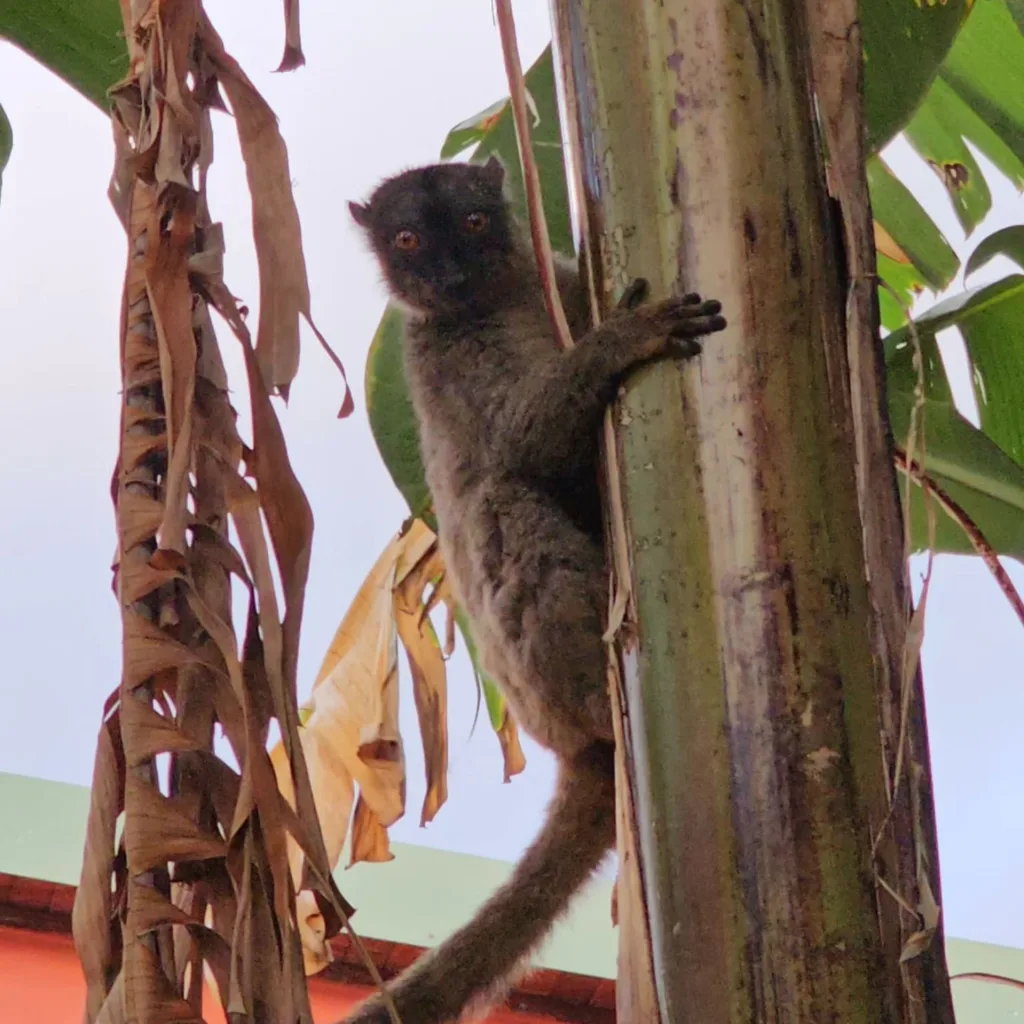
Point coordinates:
[[418, 898], [424, 894]]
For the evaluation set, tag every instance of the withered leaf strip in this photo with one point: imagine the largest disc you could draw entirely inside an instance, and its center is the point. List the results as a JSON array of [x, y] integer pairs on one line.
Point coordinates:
[[429, 678], [370, 840], [290, 522], [170, 230], [158, 830], [154, 733], [293, 56], [201, 877], [277, 233], [91, 917], [508, 737]]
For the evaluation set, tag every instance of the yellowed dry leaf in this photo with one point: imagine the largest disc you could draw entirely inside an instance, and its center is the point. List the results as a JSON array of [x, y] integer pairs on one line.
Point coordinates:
[[316, 951], [350, 737], [370, 840], [384, 758], [886, 245], [429, 677], [508, 737], [441, 590]]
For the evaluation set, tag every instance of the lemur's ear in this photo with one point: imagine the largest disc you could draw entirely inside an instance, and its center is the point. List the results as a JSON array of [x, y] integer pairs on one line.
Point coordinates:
[[494, 171], [360, 214]]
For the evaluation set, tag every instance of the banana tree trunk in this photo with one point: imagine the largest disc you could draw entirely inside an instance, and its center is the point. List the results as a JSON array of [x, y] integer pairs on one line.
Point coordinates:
[[771, 829]]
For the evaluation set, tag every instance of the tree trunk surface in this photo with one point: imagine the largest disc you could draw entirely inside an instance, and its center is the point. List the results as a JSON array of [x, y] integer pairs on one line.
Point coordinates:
[[758, 712]]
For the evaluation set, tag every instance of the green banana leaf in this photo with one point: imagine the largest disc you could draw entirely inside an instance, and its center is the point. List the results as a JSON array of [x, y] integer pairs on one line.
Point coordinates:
[[981, 469]]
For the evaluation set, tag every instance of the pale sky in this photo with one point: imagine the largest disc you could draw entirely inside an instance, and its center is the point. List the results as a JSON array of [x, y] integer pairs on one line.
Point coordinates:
[[384, 83]]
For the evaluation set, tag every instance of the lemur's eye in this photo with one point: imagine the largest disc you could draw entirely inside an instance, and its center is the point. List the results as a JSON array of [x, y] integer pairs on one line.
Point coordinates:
[[407, 241], [476, 222]]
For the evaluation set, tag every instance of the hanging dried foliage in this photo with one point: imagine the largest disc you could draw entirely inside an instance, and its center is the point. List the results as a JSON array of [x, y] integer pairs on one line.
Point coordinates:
[[350, 735], [350, 732], [200, 873]]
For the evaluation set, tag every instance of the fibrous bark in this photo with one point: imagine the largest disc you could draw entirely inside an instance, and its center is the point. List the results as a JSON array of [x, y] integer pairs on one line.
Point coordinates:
[[761, 747]]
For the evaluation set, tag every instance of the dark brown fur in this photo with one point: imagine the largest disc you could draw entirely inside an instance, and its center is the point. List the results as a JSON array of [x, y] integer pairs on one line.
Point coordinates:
[[509, 426]]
